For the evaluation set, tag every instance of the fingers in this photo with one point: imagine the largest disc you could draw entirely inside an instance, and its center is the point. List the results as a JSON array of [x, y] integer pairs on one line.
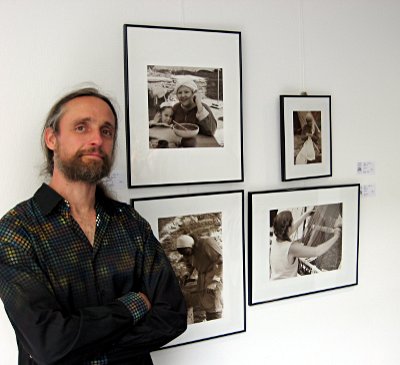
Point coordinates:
[[197, 97], [146, 300], [337, 231]]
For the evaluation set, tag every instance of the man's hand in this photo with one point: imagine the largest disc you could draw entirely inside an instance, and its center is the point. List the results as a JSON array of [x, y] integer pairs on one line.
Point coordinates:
[[146, 300]]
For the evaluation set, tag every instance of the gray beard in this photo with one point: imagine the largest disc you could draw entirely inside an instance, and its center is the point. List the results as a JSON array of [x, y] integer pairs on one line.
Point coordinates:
[[74, 169]]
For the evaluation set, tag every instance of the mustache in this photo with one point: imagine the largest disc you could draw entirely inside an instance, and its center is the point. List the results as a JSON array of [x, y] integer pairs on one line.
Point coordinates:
[[90, 150]]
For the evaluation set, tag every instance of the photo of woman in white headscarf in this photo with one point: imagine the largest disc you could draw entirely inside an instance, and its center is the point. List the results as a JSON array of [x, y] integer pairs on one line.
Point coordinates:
[[185, 106], [191, 109]]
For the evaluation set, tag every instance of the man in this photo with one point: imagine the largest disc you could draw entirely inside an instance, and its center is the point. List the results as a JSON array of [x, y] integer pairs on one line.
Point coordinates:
[[205, 256], [82, 277]]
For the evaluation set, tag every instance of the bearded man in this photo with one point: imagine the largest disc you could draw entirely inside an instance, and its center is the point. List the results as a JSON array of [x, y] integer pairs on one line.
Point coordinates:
[[82, 277]]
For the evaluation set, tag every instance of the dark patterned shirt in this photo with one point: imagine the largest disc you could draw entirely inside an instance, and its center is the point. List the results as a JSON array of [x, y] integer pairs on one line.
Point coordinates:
[[73, 303]]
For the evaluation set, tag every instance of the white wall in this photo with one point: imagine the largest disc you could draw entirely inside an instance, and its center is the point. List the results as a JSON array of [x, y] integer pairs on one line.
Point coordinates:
[[346, 48]]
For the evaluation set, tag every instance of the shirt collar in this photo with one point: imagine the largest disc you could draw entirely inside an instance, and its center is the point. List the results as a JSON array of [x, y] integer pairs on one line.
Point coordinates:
[[48, 199]]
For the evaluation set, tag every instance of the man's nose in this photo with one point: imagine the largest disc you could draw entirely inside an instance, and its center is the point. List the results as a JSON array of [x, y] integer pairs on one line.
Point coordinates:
[[96, 138]]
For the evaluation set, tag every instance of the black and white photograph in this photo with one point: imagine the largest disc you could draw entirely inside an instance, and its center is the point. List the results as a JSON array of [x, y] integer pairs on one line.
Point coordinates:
[[202, 236], [305, 240], [302, 241], [183, 108], [194, 246], [305, 137]]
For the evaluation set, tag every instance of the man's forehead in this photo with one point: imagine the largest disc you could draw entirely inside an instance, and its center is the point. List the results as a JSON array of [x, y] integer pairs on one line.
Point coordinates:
[[85, 106], [87, 101]]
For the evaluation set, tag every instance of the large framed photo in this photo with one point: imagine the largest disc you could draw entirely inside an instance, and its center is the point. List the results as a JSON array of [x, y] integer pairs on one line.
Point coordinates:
[[183, 105], [306, 142], [302, 241], [202, 235]]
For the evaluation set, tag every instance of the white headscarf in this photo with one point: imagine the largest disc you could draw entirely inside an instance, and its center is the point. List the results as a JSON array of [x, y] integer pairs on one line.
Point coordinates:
[[188, 83]]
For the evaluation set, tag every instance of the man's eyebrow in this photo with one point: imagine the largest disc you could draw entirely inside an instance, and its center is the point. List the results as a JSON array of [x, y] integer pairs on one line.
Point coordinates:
[[88, 120], [82, 120], [109, 124]]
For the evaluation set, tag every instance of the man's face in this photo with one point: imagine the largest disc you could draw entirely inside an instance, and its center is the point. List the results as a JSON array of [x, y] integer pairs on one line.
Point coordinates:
[[186, 251], [83, 146]]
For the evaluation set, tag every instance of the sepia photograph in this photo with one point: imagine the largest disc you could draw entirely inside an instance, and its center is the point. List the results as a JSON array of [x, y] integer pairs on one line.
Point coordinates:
[[307, 137], [305, 240], [302, 241], [193, 244], [306, 142], [183, 107], [202, 237]]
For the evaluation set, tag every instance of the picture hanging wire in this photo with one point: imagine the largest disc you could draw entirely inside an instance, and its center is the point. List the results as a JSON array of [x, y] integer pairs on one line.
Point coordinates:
[[183, 13], [301, 44]]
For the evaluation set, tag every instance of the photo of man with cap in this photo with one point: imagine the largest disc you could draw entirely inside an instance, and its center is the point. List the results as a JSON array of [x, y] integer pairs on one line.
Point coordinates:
[[203, 255]]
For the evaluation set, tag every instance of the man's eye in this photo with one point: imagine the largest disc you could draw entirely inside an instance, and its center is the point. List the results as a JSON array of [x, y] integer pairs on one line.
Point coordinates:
[[108, 132], [80, 128]]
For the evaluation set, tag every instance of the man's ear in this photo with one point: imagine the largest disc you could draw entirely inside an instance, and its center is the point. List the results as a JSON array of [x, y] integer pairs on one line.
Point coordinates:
[[50, 138]]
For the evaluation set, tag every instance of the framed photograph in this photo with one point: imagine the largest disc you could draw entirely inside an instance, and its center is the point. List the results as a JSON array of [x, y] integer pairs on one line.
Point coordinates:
[[183, 106], [302, 241], [202, 235], [306, 142]]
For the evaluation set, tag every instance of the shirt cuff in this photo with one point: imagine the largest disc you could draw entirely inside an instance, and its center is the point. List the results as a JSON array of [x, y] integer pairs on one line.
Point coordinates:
[[135, 304], [203, 115]]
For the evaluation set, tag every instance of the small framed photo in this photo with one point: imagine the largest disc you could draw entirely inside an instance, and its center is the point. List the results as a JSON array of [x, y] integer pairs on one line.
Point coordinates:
[[306, 141], [302, 241], [202, 235], [183, 106]]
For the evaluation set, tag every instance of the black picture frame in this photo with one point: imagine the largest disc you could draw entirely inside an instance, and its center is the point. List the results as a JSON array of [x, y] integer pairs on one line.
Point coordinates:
[[306, 136], [217, 216], [155, 63], [273, 274]]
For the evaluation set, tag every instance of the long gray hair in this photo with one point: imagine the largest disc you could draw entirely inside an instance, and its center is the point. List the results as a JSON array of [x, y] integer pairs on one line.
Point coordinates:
[[57, 111]]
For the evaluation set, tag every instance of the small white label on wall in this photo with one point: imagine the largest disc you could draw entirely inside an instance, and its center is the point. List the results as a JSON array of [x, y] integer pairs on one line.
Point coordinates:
[[368, 190], [116, 180], [366, 168]]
